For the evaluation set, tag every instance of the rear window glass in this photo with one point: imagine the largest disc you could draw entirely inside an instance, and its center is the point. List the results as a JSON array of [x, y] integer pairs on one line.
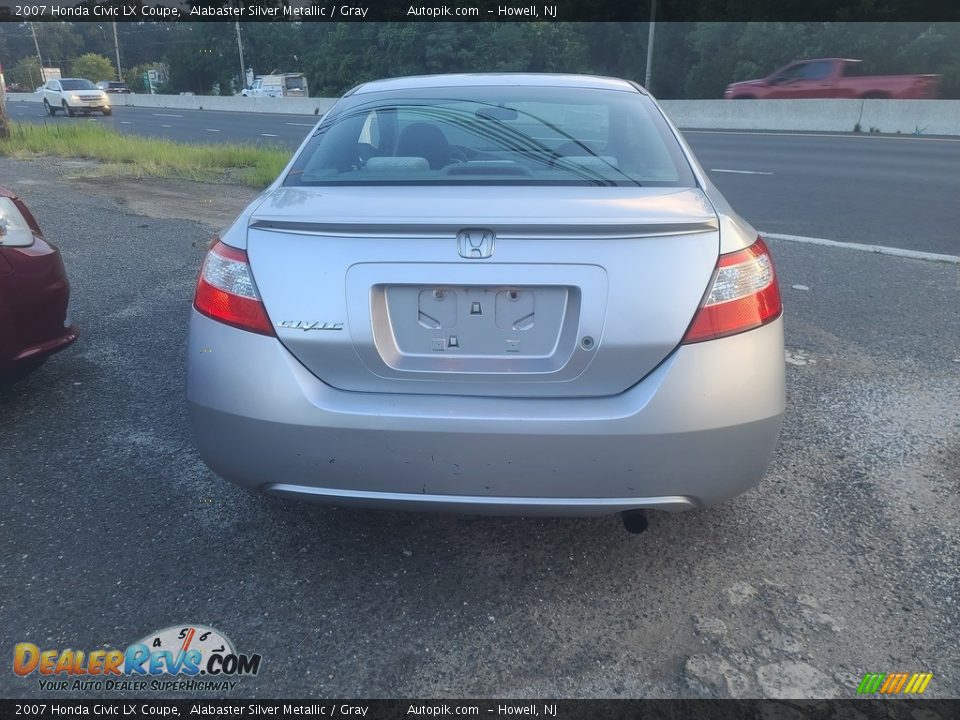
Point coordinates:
[[493, 136]]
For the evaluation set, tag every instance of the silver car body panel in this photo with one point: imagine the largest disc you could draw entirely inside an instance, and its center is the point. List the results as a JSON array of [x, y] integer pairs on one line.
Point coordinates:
[[347, 405], [456, 80], [698, 430], [596, 266]]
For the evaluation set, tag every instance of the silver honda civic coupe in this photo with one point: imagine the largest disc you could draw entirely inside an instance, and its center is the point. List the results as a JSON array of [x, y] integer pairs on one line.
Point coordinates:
[[490, 293]]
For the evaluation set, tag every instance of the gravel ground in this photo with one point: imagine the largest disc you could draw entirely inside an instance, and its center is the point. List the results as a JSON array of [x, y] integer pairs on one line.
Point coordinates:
[[842, 562]]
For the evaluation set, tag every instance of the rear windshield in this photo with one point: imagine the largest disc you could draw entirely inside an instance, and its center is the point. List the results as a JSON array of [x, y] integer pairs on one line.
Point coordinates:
[[77, 85], [493, 136]]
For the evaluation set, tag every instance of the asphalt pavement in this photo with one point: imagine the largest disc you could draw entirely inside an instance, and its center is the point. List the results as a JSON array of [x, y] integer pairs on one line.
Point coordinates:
[[893, 191], [842, 562]]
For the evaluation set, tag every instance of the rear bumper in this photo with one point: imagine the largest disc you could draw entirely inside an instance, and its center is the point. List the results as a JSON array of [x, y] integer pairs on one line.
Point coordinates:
[[34, 297], [698, 430], [44, 349]]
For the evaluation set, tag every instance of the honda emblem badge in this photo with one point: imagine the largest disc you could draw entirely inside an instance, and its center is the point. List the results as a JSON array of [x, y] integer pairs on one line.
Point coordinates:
[[475, 243]]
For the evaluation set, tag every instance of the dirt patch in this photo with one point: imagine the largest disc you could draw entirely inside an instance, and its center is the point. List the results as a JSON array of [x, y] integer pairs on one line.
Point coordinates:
[[213, 205]]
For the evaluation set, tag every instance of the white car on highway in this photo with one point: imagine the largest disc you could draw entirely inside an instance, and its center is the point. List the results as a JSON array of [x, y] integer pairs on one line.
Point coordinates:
[[73, 95]]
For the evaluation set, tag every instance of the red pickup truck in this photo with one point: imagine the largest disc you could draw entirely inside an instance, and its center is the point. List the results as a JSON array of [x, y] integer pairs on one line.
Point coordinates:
[[834, 78]]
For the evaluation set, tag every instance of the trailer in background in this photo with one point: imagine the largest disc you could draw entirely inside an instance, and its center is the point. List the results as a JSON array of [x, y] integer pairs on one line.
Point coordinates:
[[281, 85]]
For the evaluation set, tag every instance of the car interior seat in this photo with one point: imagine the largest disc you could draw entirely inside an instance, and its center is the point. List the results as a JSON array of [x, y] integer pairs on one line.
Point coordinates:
[[424, 140]]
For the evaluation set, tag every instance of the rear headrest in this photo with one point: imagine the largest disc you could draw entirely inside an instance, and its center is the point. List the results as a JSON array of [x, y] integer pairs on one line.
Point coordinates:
[[425, 140]]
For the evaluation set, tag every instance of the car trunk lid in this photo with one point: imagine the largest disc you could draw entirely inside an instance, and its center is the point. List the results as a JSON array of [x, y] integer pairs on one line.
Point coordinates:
[[497, 291]]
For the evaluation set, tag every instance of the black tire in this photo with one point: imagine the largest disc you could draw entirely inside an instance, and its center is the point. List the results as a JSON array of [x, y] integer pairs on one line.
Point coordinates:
[[67, 110], [108, 111], [876, 96], [51, 111], [744, 97]]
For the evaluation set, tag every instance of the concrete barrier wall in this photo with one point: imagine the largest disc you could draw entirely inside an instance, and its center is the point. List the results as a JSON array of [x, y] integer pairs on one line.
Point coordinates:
[[286, 106], [908, 117]]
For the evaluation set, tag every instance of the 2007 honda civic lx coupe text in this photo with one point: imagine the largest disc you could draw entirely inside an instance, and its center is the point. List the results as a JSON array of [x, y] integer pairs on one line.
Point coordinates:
[[490, 293]]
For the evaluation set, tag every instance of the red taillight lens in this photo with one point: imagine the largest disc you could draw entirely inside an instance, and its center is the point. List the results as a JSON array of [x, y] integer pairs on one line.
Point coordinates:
[[225, 291], [743, 295]]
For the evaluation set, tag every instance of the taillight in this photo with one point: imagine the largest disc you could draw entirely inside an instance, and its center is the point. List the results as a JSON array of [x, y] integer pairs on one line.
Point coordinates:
[[225, 291], [743, 295]]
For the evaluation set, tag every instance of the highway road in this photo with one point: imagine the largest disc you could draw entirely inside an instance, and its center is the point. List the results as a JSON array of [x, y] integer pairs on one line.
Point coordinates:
[[893, 191]]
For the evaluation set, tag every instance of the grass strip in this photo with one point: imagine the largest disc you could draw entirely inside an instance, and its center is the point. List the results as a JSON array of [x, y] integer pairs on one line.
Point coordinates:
[[135, 156]]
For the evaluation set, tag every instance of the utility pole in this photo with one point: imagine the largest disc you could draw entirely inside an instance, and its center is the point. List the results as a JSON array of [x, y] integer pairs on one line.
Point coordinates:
[[37, 46], [116, 47], [653, 25], [243, 68]]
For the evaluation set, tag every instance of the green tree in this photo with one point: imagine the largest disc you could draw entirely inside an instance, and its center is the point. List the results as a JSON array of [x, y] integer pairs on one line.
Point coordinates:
[[26, 73], [142, 42], [58, 43], [616, 48], [937, 50], [95, 38], [271, 46], [16, 42], [201, 56], [93, 67], [334, 60], [712, 60], [556, 47]]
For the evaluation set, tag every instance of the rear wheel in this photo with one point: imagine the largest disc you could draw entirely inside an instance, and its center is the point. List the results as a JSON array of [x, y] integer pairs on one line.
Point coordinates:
[[876, 95], [67, 110], [744, 97], [108, 111], [49, 108]]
